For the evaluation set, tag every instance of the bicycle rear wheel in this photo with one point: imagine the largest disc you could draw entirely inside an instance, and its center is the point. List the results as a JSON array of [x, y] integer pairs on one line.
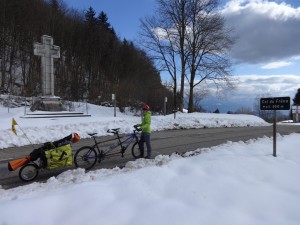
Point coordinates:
[[85, 157], [28, 172], [135, 150]]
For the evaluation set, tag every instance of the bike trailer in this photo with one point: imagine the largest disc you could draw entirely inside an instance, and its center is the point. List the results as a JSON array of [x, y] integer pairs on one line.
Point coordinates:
[[52, 154], [51, 159], [59, 157]]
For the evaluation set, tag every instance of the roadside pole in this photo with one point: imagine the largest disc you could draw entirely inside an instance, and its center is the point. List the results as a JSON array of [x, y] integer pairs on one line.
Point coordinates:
[[165, 105], [278, 103], [274, 134], [113, 97]]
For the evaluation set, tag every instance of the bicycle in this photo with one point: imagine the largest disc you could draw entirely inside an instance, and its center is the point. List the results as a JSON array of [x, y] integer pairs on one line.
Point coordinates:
[[87, 156]]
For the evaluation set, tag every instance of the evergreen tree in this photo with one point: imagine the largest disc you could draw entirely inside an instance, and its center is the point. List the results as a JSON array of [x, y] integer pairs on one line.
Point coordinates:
[[297, 98], [90, 18], [93, 62], [103, 20], [217, 111], [54, 5]]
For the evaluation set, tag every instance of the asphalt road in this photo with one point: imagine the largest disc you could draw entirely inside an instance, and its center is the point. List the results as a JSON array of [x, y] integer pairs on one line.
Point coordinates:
[[163, 142]]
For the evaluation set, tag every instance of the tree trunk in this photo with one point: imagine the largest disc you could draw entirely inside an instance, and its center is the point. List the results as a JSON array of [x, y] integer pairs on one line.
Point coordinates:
[[182, 54], [191, 99], [175, 94]]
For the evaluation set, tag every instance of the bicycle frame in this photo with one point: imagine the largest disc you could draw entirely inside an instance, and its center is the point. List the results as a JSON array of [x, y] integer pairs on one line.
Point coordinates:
[[129, 139], [87, 156], [112, 150]]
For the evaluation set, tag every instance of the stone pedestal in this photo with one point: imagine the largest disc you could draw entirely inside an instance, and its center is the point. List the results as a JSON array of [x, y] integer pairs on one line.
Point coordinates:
[[50, 104]]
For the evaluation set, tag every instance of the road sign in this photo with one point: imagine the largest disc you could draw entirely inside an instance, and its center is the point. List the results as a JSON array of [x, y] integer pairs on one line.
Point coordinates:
[[279, 103]]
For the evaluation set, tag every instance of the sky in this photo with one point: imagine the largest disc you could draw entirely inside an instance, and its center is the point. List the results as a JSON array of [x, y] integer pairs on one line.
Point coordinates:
[[233, 183], [267, 50]]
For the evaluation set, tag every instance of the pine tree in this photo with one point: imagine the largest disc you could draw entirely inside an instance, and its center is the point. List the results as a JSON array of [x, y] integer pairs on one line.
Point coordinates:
[[217, 111], [103, 20], [54, 5], [297, 98], [90, 17]]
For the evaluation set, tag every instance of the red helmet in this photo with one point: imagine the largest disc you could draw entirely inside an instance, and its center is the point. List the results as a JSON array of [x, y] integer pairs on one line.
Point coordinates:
[[145, 107]]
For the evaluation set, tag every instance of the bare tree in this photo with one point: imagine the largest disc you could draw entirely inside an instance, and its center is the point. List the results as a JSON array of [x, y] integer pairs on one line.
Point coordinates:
[[158, 39], [163, 35], [188, 37], [207, 41]]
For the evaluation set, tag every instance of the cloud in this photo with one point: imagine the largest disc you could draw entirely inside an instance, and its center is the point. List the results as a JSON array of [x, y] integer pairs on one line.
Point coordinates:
[[275, 65], [251, 87], [266, 31], [281, 85]]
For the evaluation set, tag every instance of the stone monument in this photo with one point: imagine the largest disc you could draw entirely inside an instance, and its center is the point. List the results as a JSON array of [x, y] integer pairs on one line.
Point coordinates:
[[48, 101]]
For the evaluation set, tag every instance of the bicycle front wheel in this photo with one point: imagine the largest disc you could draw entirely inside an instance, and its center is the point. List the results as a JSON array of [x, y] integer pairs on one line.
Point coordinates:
[[85, 157], [135, 150]]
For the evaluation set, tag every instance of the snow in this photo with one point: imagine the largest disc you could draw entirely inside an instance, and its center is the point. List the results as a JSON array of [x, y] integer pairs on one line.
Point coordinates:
[[102, 118], [233, 183]]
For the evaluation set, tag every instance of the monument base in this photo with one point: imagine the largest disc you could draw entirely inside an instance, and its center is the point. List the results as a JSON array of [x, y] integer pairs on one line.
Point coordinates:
[[49, 104], [50, 107], [40, 115]]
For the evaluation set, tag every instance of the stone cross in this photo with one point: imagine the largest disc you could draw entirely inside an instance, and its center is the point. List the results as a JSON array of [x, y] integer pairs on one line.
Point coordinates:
[[47, 51]]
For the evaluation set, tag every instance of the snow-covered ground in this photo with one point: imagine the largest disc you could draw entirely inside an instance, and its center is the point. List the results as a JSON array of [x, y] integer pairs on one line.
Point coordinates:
[[102, 118], [234, 183]]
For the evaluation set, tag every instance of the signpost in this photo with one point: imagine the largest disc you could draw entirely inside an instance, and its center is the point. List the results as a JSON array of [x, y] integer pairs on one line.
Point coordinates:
[[279, 103], [165, 105], [113, 97]]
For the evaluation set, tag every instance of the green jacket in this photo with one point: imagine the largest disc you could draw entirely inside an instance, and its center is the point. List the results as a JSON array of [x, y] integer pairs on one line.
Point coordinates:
[[146, 122]]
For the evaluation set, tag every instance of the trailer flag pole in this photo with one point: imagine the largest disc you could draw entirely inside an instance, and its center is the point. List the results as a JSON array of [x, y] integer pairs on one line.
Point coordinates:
[[14, 123]]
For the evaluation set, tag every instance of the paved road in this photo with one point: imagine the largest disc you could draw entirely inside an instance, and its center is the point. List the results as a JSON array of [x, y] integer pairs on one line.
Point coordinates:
[[163, 142]]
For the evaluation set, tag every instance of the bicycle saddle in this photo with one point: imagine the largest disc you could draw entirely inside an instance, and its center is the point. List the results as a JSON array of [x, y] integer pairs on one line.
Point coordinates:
[[92, 134], [114, 131]]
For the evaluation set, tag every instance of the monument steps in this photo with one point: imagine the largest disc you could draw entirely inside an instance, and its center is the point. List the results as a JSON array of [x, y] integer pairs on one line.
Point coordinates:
[[54, 115]]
